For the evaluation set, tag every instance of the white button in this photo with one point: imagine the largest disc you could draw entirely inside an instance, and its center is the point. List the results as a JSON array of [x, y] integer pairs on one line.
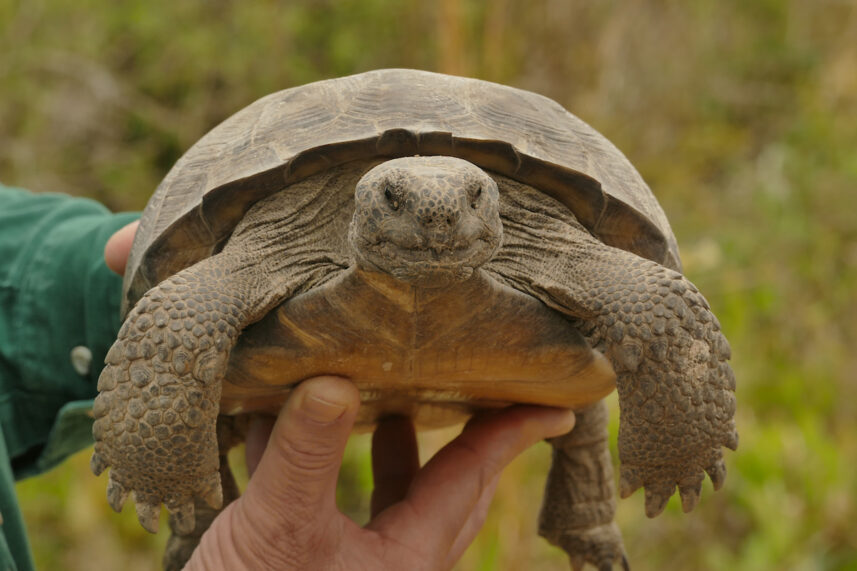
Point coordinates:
[[81, 360]]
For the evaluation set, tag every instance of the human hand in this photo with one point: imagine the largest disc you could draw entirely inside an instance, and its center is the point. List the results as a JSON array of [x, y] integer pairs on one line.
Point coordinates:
[[119, 246], [422, 519]]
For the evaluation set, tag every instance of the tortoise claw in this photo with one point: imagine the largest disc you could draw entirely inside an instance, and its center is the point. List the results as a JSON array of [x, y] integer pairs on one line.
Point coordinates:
[[97, 464], [116, 494], [690, 495], [732, 441], [149, 515], [629, 483], [717, 473], [657, 497], [212, 492]]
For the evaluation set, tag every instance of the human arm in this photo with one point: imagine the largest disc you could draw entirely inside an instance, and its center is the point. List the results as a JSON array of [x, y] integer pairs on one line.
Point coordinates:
[[58, 302]]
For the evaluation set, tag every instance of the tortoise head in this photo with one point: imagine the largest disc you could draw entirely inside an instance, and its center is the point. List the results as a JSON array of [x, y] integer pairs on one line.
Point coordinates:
[[425, 220]]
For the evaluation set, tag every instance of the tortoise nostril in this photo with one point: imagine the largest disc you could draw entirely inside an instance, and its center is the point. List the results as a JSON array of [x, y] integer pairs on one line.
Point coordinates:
[[439, 221]]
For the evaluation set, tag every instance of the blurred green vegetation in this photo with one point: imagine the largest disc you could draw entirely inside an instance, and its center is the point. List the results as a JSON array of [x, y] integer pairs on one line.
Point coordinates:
[[742, 116]]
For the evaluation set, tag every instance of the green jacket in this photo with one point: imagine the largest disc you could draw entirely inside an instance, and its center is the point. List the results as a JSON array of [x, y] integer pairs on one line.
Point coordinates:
[[59, 314]]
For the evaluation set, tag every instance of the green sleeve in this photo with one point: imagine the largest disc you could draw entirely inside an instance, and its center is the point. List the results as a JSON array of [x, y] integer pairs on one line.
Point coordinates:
[[59, 313]]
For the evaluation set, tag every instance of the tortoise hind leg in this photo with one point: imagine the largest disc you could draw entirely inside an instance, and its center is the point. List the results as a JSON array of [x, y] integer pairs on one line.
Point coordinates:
[[579, 503], [180, 546]]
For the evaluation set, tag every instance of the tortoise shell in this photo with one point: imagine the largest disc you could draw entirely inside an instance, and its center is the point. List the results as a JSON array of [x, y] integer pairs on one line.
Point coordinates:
[[582, 296], [290, 135]]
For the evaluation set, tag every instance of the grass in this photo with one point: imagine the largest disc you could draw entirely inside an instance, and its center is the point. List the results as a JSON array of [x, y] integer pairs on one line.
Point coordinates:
[[741, 116]]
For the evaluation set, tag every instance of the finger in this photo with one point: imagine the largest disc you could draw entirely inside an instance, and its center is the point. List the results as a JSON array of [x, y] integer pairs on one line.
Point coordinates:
[[258, 434], [118, 247], [473, 524], [295, 481], [445, 492], [395, 461]]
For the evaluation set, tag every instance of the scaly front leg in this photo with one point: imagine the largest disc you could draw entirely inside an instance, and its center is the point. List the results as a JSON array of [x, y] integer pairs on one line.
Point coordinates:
[[155, 416], [676, 389]]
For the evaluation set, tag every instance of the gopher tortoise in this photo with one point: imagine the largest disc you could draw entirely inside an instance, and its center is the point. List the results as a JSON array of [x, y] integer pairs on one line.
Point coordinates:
[[450, 245]]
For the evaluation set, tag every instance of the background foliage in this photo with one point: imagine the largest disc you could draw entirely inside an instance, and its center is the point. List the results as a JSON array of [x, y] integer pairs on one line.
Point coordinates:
[[742, 116]]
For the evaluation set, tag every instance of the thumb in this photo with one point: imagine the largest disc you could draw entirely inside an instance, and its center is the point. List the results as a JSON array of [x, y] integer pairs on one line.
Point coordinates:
[[296, 477]]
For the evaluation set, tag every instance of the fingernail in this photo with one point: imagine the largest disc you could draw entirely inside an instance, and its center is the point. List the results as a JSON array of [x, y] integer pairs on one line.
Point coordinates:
[[322, 410]]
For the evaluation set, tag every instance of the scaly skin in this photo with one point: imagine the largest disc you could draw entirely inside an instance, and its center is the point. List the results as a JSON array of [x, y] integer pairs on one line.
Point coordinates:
[[231, 430], [579, 503], [159, 393], [676, 389]]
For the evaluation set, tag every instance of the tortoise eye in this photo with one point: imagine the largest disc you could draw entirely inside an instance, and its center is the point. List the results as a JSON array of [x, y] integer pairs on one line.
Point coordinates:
[[476, 196], [391, 197]]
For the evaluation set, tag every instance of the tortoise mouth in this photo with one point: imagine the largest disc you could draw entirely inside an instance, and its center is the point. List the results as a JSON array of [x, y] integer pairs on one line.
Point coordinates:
[[423, 263]]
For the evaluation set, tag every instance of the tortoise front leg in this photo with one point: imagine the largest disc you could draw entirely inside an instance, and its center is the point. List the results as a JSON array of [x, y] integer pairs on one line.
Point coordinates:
[[159, 396], [676, 389], [579, 504]]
